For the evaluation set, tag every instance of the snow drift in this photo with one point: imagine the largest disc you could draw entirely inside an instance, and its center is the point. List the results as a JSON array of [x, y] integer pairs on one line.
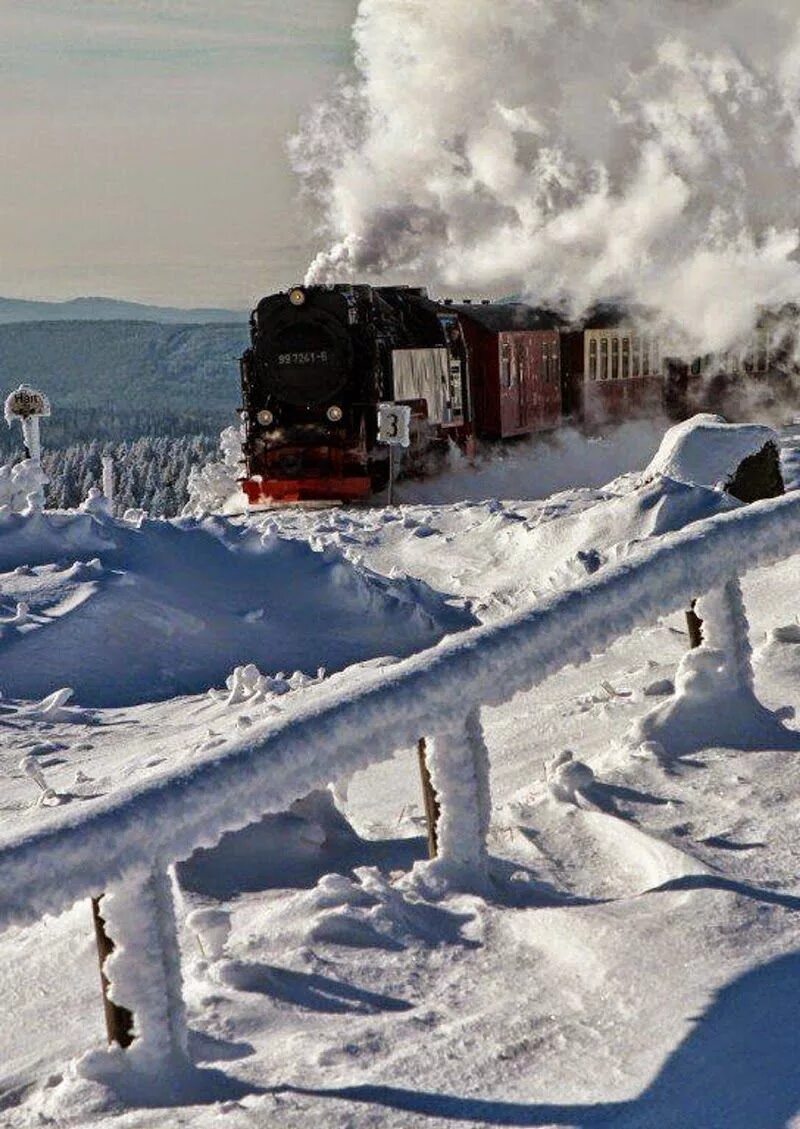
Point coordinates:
[[127, 612]]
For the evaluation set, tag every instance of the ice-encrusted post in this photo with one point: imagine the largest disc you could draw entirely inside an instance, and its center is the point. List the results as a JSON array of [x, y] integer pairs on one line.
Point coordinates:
[[429, 799], [119, 1021], [144, 971], [108, 478], [459, 767], [725, 628]]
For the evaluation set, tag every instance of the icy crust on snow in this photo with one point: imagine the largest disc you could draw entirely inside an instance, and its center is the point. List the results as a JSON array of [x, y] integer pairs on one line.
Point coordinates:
[[502, 556], [349, 722], [616, 526], [706, 450], [132, 611]]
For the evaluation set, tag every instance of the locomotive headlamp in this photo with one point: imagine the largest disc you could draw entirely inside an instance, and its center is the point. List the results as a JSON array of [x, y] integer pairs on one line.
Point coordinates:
[[265, 417], [334, 413], [297, 296]]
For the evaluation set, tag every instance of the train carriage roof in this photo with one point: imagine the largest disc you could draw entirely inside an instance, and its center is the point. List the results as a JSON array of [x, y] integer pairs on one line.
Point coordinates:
[[614, 315], [507, 317]]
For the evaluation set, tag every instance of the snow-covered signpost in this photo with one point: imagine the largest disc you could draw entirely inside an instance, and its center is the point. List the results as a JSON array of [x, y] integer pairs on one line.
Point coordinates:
[[29, 406], [394, 429]]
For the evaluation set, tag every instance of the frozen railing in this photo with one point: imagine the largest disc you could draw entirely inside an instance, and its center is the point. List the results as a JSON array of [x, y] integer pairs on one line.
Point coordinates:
[[125, 845]]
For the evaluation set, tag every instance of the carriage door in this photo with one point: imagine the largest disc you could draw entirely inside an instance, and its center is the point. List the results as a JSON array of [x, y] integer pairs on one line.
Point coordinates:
[[523, 392]]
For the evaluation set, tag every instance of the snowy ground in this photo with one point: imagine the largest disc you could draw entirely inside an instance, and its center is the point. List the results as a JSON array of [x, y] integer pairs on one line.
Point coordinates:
[[637, 962]]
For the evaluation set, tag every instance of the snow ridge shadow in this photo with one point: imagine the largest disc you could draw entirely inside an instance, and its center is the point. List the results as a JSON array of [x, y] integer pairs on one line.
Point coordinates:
[[307, 990], [736, 1069]]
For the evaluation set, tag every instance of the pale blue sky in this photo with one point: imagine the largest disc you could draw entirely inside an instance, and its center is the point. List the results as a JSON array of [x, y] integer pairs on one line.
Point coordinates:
[[142, 144]]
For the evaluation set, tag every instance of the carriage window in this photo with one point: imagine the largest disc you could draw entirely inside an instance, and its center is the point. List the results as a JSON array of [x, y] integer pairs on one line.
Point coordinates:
[[645, 356], [626, 357], [656, 359], [635, 356], [593, 359], [521, 366], [545, 369], [505, 364], [604, 358], [614, 358]]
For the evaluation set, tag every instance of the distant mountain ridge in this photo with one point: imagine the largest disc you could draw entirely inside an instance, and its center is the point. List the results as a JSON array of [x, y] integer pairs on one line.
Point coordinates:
[[111, 309]]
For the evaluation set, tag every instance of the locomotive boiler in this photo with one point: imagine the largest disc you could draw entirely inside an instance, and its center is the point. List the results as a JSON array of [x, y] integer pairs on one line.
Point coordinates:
[[320, 361]]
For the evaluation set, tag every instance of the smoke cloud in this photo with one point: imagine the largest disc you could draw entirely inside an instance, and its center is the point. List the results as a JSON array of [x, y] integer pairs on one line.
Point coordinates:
[[569, 150]]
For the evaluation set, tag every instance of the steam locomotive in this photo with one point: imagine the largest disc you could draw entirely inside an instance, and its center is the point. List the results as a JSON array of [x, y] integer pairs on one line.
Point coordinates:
[[322, 358], [320, 361]]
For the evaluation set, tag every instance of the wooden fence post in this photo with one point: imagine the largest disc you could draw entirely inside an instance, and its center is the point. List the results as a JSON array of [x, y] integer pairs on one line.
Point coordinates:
[[141, 971], [695, 626], [459, 768], [119, 1021], [727, 629], [430, 800], [757, 477]]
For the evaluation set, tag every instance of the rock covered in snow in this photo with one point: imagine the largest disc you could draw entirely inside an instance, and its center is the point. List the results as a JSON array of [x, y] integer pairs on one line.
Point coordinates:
[[705, 450], [21, 487], [96, 504], [567, 778], [659, 688], [212, 927], [248, 684], [779, 656]]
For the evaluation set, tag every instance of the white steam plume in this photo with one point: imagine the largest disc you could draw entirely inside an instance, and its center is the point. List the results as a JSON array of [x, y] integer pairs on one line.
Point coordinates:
[[569, 149]]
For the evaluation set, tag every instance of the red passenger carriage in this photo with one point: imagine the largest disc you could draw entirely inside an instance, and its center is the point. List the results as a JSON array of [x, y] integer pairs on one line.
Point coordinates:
[[515, 368]]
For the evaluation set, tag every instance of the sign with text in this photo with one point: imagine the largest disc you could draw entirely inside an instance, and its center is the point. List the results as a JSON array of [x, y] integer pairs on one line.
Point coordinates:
[[394, 424], [24, 403]]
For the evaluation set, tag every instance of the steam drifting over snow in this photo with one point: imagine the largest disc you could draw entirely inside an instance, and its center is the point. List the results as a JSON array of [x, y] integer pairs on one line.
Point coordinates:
[[643, 148]]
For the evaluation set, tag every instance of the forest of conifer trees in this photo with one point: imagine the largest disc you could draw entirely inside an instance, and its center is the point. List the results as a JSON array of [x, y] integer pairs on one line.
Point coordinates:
[[154, 397], [150, 473]]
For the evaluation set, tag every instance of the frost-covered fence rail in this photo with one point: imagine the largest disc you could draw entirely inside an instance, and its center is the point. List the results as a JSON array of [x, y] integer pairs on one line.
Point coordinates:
[[126, 844]]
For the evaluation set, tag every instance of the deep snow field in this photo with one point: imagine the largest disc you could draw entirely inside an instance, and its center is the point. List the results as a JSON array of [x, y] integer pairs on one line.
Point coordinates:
[[636, 961]]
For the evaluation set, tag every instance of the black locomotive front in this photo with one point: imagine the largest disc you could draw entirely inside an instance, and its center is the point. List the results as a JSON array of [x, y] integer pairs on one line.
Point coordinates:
[[310, 380]]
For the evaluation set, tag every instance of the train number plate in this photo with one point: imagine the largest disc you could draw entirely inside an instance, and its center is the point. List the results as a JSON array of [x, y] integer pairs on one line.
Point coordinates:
[[318, 357]]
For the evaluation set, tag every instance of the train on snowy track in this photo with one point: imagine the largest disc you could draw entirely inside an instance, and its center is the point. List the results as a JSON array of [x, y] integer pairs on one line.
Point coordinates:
[[322, 358]]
